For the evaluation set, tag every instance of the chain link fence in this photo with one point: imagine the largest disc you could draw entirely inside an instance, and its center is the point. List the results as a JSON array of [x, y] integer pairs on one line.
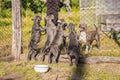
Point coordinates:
[[29, 8], [106, 15], [103, 13], [5, 28], [88, 12]]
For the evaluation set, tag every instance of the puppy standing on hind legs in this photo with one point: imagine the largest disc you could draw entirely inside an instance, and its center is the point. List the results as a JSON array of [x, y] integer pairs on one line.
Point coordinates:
[[89, 37], [35, 38], [54, 48], [73, 49], [50, 33]]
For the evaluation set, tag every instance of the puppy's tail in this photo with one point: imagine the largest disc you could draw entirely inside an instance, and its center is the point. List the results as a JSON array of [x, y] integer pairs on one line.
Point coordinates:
[[96, 27]]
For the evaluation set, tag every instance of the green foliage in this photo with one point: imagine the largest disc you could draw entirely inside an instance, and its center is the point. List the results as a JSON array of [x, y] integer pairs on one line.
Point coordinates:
[[37, 6], [5, 22], [5, 8], [5, 4], [7, 13], [26, 13], [75, 3]]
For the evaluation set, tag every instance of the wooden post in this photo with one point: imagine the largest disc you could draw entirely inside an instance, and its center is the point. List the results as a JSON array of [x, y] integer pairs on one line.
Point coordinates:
[[16, 29]]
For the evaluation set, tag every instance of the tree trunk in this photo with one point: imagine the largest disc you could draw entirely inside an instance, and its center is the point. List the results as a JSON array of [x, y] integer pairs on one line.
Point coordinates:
[[16, 29], [53, 8]]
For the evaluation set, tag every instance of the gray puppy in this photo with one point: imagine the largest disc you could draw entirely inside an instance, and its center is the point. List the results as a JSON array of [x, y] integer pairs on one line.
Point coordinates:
[[35, 37], [50, 33], [64, 45], [54, 48], [73, 50], [89, 37]]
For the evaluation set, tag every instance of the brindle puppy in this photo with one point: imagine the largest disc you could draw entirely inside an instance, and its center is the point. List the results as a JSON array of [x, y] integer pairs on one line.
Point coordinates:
[[89, 37]]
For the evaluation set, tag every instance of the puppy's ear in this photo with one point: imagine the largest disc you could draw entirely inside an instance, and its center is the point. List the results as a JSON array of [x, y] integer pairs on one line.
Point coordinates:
[[59, 21], [39, 18], [33, 19], [52, 16], [65, 25]]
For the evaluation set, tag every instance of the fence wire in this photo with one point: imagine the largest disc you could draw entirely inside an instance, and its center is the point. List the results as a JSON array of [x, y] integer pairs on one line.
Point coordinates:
[[104, 13], [100, 11], [5, 29]]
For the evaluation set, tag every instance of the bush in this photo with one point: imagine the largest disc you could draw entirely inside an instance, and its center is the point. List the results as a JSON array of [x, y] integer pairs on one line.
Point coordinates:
[[5, 22], [6, 13], [27, 13], [36, 6]]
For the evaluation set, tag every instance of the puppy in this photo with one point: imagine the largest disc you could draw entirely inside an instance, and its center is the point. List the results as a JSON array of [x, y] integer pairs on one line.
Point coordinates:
[[50, 33], [89, 37], [64, 44], [54, 48], [35, 37], [73, 49]]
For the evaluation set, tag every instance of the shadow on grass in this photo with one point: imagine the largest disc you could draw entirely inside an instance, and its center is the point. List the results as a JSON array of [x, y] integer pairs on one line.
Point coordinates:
[[78, 72], [117, 42]]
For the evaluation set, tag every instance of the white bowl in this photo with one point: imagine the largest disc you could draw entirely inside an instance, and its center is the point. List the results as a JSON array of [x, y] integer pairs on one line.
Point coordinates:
[[41, 68]]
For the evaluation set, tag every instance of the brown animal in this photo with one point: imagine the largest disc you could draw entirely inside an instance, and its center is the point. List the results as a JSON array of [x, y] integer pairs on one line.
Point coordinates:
[[89, 37]]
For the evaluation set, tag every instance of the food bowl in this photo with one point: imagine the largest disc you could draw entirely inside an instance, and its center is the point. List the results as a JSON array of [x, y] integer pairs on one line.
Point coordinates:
[[41, 68]]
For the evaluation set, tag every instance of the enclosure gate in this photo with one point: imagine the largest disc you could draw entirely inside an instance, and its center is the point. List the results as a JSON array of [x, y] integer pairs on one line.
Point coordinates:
[[88, 12], [105, 13]]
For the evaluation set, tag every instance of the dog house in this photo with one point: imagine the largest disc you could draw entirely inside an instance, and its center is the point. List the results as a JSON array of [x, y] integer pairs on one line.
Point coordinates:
[[105, 13]]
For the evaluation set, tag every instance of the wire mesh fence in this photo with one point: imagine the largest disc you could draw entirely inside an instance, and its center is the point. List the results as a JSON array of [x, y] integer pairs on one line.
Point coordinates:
[[103, 13], [88, 12], [5, 29], [100, 11], [106, 15]]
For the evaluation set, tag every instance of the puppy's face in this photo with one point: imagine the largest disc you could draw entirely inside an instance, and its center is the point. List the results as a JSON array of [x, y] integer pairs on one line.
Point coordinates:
[[82, 27], [62, 23], [71, 26], [72, 35], [50, 17], [37, 19]]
